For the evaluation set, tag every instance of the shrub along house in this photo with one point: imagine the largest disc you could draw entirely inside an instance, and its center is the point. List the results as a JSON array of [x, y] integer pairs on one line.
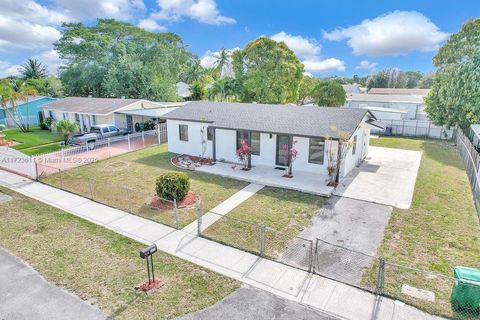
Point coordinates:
[[215, 130]]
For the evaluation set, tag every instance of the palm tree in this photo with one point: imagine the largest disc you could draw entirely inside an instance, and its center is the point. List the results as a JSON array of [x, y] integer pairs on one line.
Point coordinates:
[[27, 92], [33, 69], [194, 72], [222, 62], [8, 102], [67, 128]]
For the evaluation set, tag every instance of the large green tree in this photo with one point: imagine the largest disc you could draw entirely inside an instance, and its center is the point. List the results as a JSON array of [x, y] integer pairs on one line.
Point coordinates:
[[455, 94], [113, 59], [329, 93], [268, 70], [225, 89], [306, 90]]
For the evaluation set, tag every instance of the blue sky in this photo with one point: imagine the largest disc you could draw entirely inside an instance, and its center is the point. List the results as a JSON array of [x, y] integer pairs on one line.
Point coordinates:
[[331, 38]]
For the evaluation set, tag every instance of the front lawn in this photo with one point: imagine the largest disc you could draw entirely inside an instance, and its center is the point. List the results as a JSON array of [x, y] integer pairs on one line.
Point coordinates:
[[102, 266], [284, 212], [441, 229], [34, 138], [138, 171]]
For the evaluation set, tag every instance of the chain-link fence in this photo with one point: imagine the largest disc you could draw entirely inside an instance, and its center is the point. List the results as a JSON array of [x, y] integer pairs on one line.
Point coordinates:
[[71, 157], [135, 201], [471, 159], [415, 128]]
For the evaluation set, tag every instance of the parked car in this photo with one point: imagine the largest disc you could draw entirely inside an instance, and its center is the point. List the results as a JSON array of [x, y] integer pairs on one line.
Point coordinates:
[[97, 132]]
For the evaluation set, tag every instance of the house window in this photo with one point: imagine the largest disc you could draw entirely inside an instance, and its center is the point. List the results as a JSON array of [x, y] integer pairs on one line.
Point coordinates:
[[77, 117], [183, 132], [209, 134], [316, 150], [65, 115], [50, 114], [251, 138], [354, 147], [94, 119]]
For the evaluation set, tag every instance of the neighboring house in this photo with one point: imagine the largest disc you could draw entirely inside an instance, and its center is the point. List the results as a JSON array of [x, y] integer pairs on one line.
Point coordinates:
[[412, 104], [183, 90], [30, 112], [124, 113], [400, 91], [353, 88], [267, 128]]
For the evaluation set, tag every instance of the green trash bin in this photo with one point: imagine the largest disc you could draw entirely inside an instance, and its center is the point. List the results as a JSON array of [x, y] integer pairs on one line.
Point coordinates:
[[466, 289]]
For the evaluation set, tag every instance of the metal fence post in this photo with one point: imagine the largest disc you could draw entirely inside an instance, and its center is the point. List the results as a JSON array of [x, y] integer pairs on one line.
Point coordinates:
[[90, 185], [61, 179], [262, 239], [63, 154], [109, 150], [143, 138], [380, 277], [177, 218], [198, 208], [158, 134], [128, 139]]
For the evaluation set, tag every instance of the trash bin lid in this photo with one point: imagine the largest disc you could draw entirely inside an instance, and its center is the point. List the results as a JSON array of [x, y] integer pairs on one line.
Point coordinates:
[[466, 273]]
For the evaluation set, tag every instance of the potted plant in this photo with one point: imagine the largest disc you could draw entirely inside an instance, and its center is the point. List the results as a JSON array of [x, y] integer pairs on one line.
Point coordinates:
[[244, 154], [290, 156]]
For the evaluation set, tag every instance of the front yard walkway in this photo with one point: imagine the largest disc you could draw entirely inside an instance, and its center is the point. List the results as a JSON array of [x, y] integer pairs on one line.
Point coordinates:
[[308, 182], [386, 177], [285, 281]]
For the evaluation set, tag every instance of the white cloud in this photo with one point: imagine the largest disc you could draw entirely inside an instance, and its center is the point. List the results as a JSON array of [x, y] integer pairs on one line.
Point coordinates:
[[33, 12], [330, 64], [151, 25], [366, 65], [93, 9], [16, 34], [8, 69], [50, 59], [394, 33], [302, 47], [204, 11]]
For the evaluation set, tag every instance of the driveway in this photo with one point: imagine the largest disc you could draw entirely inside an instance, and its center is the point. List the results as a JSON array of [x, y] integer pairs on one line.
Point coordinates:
[[387, 176], [24, 294], [349, 232], [248, 303]]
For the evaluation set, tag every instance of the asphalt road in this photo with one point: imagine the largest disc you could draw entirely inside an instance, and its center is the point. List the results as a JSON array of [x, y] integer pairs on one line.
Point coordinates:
[[248, 303], [25, 294]]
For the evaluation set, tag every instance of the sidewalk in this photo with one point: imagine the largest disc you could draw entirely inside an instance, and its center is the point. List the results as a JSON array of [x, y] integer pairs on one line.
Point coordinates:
[[315, 291]]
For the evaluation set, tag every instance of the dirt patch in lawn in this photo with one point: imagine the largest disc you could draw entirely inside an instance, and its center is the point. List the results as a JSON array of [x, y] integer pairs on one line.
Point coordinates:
[[160, 204]]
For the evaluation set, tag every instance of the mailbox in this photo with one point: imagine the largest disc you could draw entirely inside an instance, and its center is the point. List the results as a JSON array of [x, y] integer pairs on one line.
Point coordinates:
[[148, 251]]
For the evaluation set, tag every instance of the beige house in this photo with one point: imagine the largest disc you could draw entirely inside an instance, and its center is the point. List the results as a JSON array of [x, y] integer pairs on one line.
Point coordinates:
[[123, 113]]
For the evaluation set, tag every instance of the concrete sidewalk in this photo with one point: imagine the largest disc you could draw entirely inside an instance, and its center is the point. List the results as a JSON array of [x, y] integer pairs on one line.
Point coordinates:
[[315, 291]]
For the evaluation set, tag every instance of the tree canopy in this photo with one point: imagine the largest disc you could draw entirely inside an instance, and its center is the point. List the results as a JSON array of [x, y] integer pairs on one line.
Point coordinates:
[[268, 71], [33, 69], [456, 84], [113, 59], [306, 90], [329, 93]]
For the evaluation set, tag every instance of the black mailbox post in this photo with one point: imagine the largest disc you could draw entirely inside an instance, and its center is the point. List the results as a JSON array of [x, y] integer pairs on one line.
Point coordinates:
[[146, 254]]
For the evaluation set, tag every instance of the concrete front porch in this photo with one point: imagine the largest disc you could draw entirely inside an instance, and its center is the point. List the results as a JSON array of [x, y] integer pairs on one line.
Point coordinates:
[[314, 183]]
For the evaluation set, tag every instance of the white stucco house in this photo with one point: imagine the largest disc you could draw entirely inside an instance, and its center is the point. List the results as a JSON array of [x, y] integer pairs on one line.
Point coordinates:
[[123, 113], [314, 132]]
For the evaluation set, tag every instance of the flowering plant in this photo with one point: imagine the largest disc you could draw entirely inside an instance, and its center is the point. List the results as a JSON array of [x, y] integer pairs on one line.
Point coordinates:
[[244, 153], [290, 155]]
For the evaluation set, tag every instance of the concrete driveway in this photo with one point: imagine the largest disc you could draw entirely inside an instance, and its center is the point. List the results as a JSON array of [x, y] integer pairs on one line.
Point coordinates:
[[387, 177], [248, 303], [349, 232], [24, 294]]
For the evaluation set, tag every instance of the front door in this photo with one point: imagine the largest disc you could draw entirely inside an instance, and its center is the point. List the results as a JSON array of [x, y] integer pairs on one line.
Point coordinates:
[[129, 122], [282, 154]]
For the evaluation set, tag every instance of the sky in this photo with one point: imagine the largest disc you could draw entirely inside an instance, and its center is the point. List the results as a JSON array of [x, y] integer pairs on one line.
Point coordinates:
[[340, 38]]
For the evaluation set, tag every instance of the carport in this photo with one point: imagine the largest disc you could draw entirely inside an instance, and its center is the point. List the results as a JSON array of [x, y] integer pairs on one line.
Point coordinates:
[[128, 118]]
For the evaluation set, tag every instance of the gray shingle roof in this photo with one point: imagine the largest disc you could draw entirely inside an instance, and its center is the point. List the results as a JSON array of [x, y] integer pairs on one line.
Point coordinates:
[[101, 106], [310, 121]]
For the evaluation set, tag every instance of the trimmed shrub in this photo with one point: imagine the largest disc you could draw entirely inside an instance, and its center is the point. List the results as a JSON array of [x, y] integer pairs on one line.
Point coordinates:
[[173, 185]]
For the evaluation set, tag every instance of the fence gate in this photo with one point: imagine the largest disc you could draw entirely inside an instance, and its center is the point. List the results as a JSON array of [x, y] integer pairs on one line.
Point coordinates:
[[17, 162], [343, 264]]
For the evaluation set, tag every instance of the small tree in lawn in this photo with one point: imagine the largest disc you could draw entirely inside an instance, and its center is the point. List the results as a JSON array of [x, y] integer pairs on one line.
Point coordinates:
[[67, 128], [244, 154], [290, 156]]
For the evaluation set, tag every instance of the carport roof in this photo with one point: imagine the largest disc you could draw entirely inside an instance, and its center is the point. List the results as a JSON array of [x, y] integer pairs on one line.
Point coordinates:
[[309, 121]]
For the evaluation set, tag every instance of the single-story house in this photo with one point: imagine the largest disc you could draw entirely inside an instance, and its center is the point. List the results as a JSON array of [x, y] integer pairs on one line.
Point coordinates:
[[400, 91], [412, 104], [215, 129], [123, 113], [30, 112]]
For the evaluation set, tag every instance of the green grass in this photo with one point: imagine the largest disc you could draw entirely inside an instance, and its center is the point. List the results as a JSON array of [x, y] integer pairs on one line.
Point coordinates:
[[138, 171], [46, 148], [100, 265], [34, 138], [284, 212], [439, 231]]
